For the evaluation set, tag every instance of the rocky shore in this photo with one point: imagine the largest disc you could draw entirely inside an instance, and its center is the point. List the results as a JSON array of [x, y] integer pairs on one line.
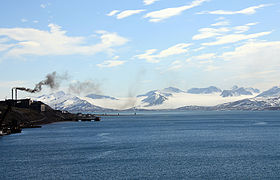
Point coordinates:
[[14, 118]]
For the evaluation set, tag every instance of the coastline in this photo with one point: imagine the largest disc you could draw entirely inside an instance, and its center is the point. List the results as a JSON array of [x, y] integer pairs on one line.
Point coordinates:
[[13, 118]]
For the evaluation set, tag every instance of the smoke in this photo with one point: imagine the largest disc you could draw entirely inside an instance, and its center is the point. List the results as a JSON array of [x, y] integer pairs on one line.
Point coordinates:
[[133, 89], [84, 87], [52, 80]]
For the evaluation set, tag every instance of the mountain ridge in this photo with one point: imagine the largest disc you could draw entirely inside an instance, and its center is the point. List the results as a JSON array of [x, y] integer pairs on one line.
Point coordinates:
[[163, 99]]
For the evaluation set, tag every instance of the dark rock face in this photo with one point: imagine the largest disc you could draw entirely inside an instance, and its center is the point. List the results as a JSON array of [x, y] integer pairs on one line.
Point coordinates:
[[208, 90]]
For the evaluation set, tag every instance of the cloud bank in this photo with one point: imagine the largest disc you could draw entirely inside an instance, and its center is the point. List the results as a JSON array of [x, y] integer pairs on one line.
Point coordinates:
[[30, 41]]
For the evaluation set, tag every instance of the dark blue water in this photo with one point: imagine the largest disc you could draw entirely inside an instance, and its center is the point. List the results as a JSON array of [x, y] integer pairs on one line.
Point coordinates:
[[192, 145]]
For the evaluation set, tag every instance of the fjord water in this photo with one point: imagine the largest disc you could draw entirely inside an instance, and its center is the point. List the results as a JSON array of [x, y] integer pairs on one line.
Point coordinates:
[[171, 145]]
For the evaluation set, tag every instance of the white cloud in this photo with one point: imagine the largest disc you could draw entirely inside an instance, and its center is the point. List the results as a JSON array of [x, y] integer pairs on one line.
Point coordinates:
[[23, 20], [124, 14], [174, 50], [109, 63], [205, 56], [255, 50], [233, 38], [247, 11], [4, 45], [221, 23], [199, 49], [160, 15], [149, 2], [205, 33], [127, 13], [188, 60], [220, 18], [43, 6], [30, 41], [150, 55], [252, 24], [116, 57], [241, 29], [176, 65], [255, 61], [206, 62], [209, 32], [112, 13], [212, 68]]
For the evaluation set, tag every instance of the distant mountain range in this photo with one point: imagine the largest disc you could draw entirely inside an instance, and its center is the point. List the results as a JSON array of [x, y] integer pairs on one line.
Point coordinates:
[[208, 90], [210, 98], [237, 91], [268, 100]]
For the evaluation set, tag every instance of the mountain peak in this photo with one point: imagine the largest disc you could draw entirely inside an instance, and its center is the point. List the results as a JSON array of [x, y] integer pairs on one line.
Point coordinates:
[[274, 91], [238, 91], [172, 90], [207, 90], [235, 87]]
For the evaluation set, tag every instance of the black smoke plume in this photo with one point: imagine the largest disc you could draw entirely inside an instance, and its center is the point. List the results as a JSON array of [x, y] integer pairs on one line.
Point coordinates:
[[52, 80]]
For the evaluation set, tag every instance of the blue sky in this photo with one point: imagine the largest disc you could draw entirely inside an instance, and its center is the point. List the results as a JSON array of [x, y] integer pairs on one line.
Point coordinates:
[[129, 47]]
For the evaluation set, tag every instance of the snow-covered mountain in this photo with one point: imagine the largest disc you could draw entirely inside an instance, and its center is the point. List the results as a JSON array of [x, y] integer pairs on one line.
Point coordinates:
[[275, 91], [268, 100], [168, 98], [172, 90], [258, 103], [68, 102], [238, 91], [208, 90], [158, 97]]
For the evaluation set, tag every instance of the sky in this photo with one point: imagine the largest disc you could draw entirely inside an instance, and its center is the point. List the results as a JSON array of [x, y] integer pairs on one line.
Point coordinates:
[[125, 48]]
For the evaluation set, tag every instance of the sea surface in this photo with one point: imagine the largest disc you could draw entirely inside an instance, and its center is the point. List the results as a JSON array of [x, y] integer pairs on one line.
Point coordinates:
[[156, 145]]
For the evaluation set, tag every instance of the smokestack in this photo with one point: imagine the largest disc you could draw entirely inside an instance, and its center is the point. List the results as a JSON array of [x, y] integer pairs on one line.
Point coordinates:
[[52, 80]]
